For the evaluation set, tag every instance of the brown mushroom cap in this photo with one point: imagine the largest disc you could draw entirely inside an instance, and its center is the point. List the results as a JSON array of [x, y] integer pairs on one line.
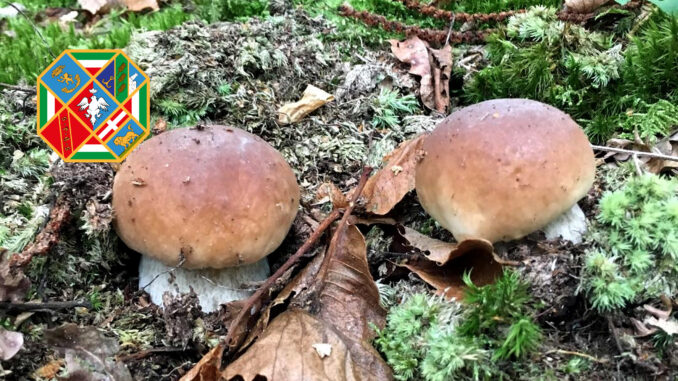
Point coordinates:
[[218, 196], [504, 168]]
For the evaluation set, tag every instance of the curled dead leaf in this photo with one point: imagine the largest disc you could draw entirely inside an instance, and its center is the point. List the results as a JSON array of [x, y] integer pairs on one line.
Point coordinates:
[[208, 368], [474, 256], [434, 66], [10, 343], [584, 6], [439, 251], [312, 99], [388, 186]]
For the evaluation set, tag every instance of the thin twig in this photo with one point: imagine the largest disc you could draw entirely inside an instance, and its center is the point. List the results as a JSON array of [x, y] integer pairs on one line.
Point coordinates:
[[250, 305], [632, 152], [343, 224], [636, 164], [19, 88], [584, 355], [182, 260], [40, 306], [449, 31], [148, 352], [35, 28]]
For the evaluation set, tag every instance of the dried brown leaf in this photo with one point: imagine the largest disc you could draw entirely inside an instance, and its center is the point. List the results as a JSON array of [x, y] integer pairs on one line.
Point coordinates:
[[434, 66], [14, 283], [329, 192], [441, 68], [448, 278], [103, 6], [413, 52], [89, 354], [668, 146], [312, 99], [208, 368], [344, 301], [439, 251], [49, 370], [286, 351], [669, 326], [584, 6], [140, 5], [391, 183], [10, 343]]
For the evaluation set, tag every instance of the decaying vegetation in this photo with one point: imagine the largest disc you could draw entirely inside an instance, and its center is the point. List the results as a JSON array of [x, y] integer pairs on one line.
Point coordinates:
[[532, 308]]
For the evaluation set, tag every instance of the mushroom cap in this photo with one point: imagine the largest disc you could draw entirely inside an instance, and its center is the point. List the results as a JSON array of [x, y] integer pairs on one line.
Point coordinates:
[[216, 196], [503, 168]]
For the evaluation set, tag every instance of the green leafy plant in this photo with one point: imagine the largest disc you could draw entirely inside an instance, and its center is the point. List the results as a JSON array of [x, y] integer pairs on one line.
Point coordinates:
[[635, 244]]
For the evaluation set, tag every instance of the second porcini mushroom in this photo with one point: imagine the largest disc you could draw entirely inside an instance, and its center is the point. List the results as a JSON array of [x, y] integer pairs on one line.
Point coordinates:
[[204, 207], [501, 169]]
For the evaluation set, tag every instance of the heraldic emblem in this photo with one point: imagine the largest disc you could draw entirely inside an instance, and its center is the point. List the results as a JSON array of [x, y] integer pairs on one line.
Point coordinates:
[[93, 105]]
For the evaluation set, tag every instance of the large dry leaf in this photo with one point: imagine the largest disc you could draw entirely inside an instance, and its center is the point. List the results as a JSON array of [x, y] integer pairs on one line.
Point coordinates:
[[667, 146], [103, 6], [413, 52], [89, 354], [286, 351], [434, 66], [208, 368], [312, 99], [391, 183], [441, 69], [584, 6], [448, 278], [343, 301], [10, 343], [440, 251]]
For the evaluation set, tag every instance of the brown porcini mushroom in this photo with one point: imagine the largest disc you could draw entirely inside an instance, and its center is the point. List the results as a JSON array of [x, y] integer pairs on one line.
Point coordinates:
[[503, 168], [213, 201]]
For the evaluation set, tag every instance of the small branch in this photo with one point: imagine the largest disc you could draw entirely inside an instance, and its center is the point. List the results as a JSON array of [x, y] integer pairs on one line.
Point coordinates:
[[638, 153], [426, 34], [636, 164], [19, 88], [35, 28], [43, 306], [584, 355], [250, 307], [148, 352], [250, 303], [47, 238], [429, 10]]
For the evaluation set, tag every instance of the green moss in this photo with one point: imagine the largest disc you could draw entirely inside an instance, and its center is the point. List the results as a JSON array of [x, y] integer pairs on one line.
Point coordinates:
[[431, 339], [390, 106], [587, 74], [635, 254], [25, 56]]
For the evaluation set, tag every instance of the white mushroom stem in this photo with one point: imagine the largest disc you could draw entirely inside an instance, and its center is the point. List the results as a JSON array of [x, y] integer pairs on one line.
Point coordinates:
[[570, 226], [213, 287]]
